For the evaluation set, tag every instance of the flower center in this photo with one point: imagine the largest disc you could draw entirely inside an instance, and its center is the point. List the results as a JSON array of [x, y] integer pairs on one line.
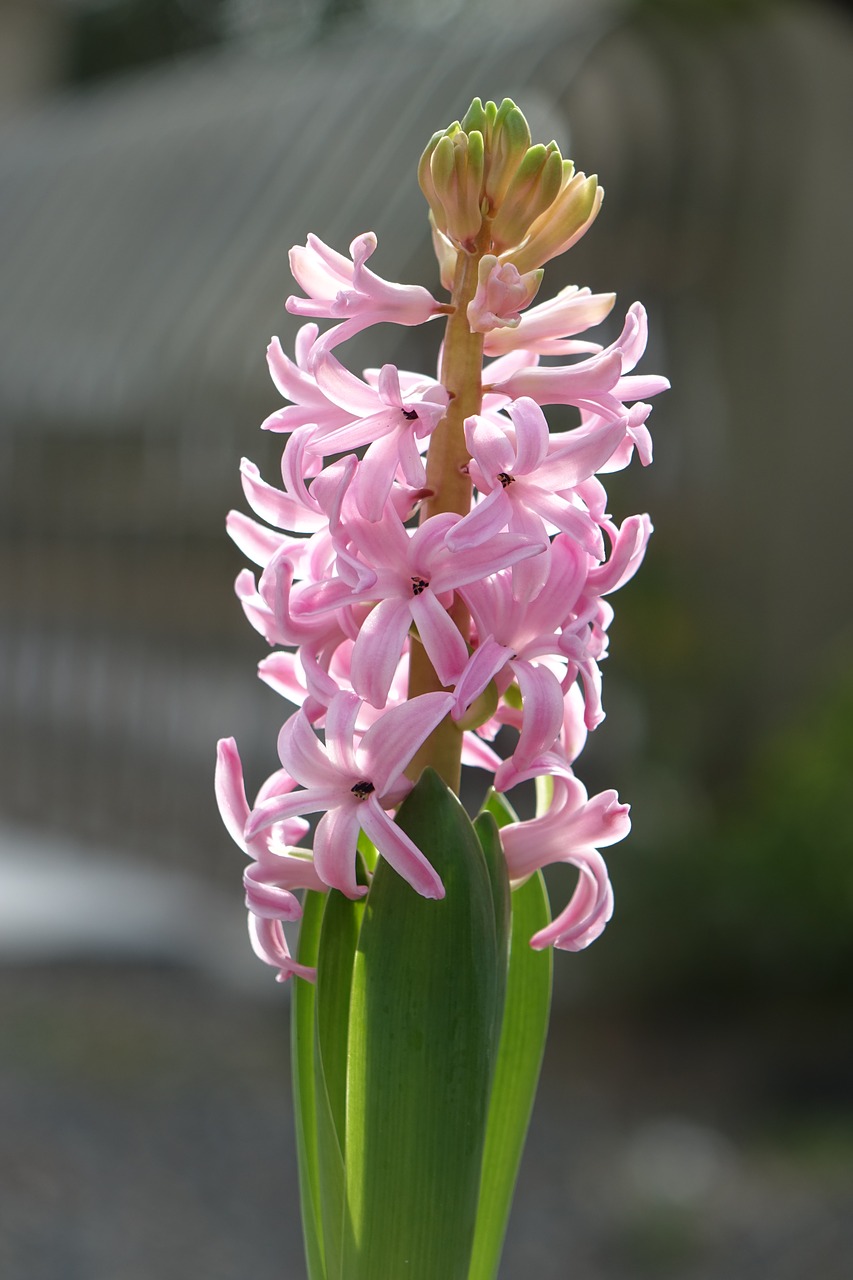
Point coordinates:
[[419, 585], [505, 479], [410, 414], [362, 790]]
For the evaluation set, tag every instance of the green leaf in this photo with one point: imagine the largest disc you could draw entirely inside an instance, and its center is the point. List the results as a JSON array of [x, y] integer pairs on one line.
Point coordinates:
[[338, 939], [490, 842], [522, 1044], [500, 809], [304, 1090], [421, 1051]]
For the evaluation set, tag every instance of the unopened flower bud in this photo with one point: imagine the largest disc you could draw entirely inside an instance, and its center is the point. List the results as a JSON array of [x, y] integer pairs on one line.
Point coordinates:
[[507, 139], [534, 186], [446, 254], [451, 178], [481, 118], [481, 709], [561, 225], [425, 177]]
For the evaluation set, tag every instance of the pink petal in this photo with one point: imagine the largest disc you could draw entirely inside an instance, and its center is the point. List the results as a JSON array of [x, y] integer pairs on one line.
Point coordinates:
[[542, 717], [588, 911], [389, 386], [490, 445], [335, 842], [303, 757], [344, 388], [401, 852], [483, 522], [278, 670], [340, 731], [230, 790], [570, 519], [267, 899], [477, 754], [377, 650], [580, 453], [375, 476], [272, 505], [484, 664], [254, 540], [530, 574], [440, 637], [392, 740], [281, 808], [476, 563], [269, 944], [531, 432], [625, 557]]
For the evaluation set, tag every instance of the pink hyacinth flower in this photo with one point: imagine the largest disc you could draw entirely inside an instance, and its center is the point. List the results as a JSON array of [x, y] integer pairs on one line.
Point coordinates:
[[414, 576], [598, 385], [572, 831], [296, 383], [502, 294], [382, 419], [352, 783], [270, 879], [523, 480], [525, 645], [550, 327], [344, 289]]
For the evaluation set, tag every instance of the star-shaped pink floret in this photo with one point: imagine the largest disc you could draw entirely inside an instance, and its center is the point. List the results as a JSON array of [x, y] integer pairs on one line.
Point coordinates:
[[388, 424], [524, 480], [352, 783], [413, 578]]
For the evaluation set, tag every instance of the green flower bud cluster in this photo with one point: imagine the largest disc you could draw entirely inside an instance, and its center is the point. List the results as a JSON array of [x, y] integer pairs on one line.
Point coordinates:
[[483, 174]]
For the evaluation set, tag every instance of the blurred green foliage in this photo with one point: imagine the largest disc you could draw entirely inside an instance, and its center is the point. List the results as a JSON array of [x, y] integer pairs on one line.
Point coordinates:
[[754, 898]]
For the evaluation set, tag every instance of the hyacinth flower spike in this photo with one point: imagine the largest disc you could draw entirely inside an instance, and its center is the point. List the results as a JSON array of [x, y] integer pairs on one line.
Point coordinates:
[[433, 569]]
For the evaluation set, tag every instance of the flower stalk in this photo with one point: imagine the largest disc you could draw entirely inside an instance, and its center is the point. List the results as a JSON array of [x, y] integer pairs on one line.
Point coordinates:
[[450, 488]]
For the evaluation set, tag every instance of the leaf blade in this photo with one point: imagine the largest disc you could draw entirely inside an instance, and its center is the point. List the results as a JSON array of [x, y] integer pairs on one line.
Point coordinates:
[[522, 1044], [422, 1045], [302, 1050]]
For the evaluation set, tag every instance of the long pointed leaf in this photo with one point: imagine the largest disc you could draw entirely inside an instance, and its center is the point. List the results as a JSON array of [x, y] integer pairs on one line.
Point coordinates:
[[525, 1027], [422, 1048], [304, 1091], [338, 939], [490, 842]]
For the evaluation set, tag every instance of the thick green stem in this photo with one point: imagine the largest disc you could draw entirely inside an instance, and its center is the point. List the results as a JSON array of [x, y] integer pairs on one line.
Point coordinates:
[[447, 477]]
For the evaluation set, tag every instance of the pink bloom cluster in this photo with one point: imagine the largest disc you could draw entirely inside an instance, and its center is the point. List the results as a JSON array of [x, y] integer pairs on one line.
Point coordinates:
[[348, 582]]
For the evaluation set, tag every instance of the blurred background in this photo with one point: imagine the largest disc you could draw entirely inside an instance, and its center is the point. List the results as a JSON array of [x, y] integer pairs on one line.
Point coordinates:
[[157, 160]]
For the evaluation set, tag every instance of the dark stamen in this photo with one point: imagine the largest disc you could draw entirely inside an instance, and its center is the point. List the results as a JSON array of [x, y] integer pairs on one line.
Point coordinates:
[[362, 790]]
